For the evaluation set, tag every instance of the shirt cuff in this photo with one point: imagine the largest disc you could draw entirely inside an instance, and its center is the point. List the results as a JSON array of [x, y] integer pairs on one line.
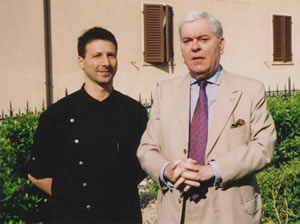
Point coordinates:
[[161, 176], [218, 176]]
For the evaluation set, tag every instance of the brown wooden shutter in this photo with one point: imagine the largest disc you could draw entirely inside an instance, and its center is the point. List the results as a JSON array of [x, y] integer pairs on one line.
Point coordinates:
[[277, 39], [169, 34], [282, 38], [154, 50], [288, 38]]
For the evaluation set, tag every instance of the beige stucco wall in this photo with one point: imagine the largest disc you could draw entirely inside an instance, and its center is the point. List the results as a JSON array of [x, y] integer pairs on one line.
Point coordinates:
[[249, 49], [21, 54], [247, 30]]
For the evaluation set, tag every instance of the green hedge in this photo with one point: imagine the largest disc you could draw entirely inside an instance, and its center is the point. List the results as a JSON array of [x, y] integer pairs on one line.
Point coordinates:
[[286, 114], [280, 189], [20, 202], [280, 183]]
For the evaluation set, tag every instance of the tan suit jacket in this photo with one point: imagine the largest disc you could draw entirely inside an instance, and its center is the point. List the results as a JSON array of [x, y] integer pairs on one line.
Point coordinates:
[[239, 152]]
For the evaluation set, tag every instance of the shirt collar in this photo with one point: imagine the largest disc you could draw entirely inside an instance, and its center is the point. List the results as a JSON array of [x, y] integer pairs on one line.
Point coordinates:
[[215, 78]]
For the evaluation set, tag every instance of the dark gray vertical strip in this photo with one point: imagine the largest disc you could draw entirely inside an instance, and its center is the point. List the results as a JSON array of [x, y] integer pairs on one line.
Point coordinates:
[[48, 53]]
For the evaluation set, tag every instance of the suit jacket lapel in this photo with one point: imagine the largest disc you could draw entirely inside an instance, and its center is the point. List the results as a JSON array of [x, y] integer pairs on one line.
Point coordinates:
[[181, 94], [227, 99]]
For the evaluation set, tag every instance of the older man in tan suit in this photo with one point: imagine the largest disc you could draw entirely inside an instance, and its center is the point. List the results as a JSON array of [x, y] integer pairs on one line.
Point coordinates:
[[209, 133]]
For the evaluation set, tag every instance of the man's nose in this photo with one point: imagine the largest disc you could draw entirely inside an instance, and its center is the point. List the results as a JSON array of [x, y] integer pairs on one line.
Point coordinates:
[[105, 61], [196, 45]]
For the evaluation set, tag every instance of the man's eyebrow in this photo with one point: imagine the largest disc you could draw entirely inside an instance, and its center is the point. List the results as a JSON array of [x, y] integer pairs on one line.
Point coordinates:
[[201, 35], [96, 53], [186, 38]]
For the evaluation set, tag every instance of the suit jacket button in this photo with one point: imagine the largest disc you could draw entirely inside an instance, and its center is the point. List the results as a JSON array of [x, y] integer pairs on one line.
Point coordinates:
[[179, 201], [184, 151]]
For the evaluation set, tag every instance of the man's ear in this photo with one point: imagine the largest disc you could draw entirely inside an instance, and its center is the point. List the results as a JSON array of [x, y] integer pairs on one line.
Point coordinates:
[[222, 45], [80, 61]]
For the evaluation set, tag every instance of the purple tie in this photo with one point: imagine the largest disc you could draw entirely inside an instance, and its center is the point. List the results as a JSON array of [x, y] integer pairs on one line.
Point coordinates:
[[199, 127], [199, 130]]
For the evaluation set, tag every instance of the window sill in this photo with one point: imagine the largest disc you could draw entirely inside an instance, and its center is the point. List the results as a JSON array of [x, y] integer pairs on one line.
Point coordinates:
[[282, 63]]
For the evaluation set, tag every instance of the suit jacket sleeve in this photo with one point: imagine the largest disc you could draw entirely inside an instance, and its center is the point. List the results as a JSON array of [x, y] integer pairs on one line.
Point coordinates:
[[257, 152], [149, 151]]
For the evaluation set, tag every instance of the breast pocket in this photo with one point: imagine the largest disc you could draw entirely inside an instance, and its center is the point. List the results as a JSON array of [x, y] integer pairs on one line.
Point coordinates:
[[238, 136]]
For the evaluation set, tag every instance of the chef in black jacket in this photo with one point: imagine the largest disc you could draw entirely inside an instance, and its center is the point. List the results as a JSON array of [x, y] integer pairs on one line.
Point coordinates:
[[84, 152]]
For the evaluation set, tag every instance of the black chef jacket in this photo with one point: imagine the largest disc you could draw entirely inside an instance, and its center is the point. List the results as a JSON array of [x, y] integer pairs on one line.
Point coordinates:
[[89, 149]]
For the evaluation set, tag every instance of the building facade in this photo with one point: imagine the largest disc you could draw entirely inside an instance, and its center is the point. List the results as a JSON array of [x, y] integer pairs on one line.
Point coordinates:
[[38, 42]]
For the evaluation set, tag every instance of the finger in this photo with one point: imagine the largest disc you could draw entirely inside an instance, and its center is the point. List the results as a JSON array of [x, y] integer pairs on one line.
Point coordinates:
[[179, 182], [172, 174], [171, 171], [184, 166], [176, 162], [31, 178], [189, 165], [171, 166], [192, 183], [177, 173], [192, 161], [191, 175], [187, 188]]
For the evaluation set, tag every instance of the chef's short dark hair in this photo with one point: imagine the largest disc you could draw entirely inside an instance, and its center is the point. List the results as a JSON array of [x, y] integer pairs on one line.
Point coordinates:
[[94, 33]]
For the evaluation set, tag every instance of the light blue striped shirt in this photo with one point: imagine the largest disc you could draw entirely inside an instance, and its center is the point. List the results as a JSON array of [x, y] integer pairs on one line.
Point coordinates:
[[212, 87], [211, 92]]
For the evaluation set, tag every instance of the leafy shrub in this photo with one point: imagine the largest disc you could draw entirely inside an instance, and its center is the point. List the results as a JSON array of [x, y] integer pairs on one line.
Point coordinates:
[[280, 184], [19, 200], [280, 192], [152, 186], [285, 111]]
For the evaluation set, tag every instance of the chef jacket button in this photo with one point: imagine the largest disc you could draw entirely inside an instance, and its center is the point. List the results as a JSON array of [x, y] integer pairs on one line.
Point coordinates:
[[76, 141], [84, 184], [72, 120], [179, 201], [184, 151], [88, 207], [80, 163]]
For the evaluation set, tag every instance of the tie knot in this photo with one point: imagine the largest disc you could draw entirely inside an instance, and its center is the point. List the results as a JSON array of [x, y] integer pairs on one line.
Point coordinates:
[[202, 83]]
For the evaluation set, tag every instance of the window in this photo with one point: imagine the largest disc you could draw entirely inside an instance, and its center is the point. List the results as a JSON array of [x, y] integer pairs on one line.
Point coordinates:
[[282, 38], [158, 33]]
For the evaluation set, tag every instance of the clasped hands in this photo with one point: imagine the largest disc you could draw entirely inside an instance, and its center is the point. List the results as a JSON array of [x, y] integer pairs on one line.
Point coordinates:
[[187, 173]]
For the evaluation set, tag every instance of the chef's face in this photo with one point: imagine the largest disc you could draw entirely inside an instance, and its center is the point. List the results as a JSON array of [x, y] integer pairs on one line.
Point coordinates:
[[100, 62]]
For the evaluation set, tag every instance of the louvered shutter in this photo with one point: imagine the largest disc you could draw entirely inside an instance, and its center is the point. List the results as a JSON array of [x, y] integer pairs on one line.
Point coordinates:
[[288, 38], [282, 38], [169, 34], [154, 50], [277, 39]]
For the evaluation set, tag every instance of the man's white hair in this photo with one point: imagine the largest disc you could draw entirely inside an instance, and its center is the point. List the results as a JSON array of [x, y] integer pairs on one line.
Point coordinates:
[[195, 15]]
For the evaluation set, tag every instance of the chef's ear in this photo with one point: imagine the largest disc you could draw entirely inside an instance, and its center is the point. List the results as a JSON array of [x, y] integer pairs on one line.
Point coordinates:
[[80, 61]]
